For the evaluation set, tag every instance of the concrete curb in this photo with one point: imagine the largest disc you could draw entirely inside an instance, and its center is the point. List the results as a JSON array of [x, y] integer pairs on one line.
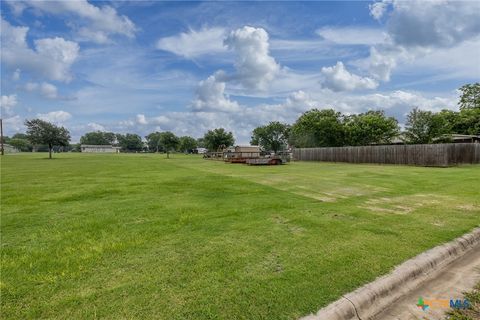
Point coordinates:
[[367, 301]]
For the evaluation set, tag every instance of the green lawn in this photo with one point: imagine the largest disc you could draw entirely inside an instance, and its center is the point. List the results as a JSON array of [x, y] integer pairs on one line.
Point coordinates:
[[140, 236]]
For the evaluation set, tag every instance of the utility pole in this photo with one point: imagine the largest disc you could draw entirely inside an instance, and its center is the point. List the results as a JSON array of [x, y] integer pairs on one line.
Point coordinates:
[[1, 135]]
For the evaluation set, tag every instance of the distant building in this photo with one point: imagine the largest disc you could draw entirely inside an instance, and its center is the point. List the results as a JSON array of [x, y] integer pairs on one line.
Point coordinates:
[[200, 150], [459, 138], [8, 148], [90, 148]]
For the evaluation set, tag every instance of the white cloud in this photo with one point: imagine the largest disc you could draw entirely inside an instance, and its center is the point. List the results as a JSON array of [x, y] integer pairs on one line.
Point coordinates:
[[194, 43], [141, 119], [16, 74], [95, 126], [51, 58], [98, 22], [31, 86], [210, 96], [352, 35], [8, 102], [13, 124], [55, 116], [378, 9], [433, 23], [46, 89], [384, 60], [337, 78], [255, 67], [299, 101], [57, 49], [461, 62], [418, 29], [97, 36]]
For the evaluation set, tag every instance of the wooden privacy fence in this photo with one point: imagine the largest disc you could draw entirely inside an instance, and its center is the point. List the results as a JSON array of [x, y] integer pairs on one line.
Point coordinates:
[[438, 155]]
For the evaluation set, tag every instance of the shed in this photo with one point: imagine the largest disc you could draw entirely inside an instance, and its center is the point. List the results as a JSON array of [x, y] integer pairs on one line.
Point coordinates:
[[247, 151]]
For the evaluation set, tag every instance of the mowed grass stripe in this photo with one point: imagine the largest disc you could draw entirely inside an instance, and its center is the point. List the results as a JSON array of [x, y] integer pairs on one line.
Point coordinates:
[[140, 236]]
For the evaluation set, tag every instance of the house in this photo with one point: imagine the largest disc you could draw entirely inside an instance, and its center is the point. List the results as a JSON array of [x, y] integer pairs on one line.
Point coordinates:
[[89, 148], [200, 150], [7, 148], [459, 138]]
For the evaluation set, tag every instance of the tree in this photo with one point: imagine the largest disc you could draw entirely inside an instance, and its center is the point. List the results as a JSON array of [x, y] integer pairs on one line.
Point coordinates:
[[424, 126], [76, 147], [43, 132], [216, 138], [98, 138], [318, 128], [21, 144], [470, 96], [20, 141], [130, 142], [187, 144], [153, 142], [169, 142], [201, 143], [271, 137], [468, 121], [6, 139], [372, 127]]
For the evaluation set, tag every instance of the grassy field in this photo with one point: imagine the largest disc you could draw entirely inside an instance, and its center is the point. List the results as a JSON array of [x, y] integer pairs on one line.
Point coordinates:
[[139, 236]]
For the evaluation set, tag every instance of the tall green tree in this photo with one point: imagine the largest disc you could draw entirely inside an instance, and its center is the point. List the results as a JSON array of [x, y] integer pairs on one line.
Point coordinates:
[[130, 142], [153, 142], [43, 132], [424, 126], [187, 144], [271, 137], [214, 139], [201, 143], [21, 144], [20, 141], [98, 138], [169, 142], [468, 121], [371, 127], [470, 96], [318, 128]]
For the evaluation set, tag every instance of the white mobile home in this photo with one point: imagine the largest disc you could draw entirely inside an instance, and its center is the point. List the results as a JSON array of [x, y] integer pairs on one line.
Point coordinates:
[[99, 148]]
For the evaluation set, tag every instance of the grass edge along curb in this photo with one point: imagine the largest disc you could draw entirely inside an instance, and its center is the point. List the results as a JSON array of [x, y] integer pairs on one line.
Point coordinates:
[[372, 298]]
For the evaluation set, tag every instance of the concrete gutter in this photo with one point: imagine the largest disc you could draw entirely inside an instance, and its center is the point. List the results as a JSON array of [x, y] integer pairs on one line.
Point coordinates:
[[371, 299]]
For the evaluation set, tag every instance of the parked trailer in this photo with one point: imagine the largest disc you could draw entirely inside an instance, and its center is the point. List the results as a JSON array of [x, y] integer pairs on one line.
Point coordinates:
[[249, 155], [265, 161], [240, 157]]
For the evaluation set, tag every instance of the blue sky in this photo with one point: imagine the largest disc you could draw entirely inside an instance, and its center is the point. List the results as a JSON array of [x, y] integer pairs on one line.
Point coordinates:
[[142, 66]]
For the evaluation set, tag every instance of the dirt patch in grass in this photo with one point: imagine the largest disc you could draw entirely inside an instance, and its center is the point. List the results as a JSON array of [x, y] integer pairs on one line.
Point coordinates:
[[287, 225], [404, 204], [468, 207]]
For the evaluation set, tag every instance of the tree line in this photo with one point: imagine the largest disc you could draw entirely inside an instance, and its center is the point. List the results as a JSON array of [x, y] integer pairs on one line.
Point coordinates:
[[329, 128], [314, 128], [44, 136], [160, 141]]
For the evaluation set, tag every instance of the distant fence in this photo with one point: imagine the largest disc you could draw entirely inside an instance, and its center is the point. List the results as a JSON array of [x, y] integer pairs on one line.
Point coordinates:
[[438, 155]]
